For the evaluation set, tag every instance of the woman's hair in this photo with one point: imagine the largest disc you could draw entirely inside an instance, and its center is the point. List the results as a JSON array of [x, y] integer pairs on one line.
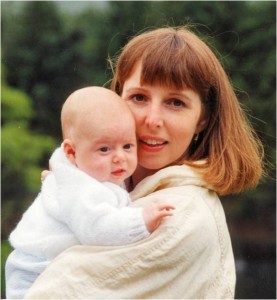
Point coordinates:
[[176, 57]]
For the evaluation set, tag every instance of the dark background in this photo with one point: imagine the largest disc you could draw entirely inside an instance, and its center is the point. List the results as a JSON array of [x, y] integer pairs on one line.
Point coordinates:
[[50, 48]]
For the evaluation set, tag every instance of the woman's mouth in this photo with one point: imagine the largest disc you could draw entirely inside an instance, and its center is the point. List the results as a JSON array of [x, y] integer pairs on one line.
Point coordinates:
[[152, 144]]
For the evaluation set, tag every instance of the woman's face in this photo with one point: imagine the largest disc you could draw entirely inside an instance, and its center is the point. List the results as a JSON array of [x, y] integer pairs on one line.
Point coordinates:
[[166, 120]]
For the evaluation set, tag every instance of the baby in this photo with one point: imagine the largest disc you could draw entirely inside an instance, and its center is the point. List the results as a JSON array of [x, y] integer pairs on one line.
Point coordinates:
[[82, 201]]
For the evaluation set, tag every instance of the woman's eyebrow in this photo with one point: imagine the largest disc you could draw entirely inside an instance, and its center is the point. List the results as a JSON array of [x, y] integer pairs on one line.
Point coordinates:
[[136, 88], [182, 95]]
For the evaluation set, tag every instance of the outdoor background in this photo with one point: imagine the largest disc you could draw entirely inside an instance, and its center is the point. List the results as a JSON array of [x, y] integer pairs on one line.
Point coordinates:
[[50, 48]]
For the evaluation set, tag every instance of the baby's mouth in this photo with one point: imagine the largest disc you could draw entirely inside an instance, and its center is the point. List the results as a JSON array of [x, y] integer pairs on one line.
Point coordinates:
[[118, 172]]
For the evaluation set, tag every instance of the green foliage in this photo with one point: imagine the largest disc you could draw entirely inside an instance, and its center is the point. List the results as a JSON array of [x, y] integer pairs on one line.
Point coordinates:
[[45, 66], [22, 152], [15, 105], [5, 251]]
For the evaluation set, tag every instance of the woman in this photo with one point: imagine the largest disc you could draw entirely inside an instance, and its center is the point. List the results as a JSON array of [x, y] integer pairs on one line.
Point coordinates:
[[193, 143]]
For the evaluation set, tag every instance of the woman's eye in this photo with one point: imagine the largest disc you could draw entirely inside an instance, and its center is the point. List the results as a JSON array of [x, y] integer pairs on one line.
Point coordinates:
[[138, 98], [176, 103]]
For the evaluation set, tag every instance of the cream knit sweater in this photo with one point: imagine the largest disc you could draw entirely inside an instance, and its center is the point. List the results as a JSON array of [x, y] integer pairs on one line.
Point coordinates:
[[188, 257]]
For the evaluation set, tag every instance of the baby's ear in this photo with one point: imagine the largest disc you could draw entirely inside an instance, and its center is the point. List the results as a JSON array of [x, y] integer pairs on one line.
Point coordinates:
[[69, 150]]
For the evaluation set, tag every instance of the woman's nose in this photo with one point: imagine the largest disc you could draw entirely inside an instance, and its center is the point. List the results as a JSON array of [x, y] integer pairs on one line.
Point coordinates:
[[154, 118]]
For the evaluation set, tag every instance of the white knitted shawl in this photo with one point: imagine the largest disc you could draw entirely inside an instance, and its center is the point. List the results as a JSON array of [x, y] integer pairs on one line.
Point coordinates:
[[188, 257]]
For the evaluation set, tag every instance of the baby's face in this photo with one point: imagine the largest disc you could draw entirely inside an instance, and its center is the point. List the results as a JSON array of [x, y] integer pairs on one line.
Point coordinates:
[[108, 152]]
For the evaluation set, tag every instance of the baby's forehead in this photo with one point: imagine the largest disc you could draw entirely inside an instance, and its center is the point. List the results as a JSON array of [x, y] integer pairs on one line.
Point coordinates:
[[100, 101], [110, 116], [110, 133], [97, 107]]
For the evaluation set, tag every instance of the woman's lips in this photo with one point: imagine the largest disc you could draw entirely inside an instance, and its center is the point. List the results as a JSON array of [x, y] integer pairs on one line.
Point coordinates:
[[152, 144]]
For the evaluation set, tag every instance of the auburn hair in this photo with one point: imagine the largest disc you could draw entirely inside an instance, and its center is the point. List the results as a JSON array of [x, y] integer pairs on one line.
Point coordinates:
[[231, 152]]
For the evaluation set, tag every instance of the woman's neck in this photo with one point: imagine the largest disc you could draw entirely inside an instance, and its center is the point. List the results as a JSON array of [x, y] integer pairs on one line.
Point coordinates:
[[139, 175], [141, 172]]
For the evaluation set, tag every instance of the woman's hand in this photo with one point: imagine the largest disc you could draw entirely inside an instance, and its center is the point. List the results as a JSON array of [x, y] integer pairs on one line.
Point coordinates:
[[44, 174], [155, 212]]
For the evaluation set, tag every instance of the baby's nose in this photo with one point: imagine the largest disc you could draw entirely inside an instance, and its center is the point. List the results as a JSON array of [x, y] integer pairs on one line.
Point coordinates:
[[119, 156]]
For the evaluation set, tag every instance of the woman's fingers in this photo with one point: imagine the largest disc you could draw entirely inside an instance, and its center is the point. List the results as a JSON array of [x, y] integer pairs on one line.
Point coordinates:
[[44, 174]]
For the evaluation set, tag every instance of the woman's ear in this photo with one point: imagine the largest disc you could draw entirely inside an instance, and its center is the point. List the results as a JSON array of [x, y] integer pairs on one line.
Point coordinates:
[[203, 121], [201, 126], [69, 150]]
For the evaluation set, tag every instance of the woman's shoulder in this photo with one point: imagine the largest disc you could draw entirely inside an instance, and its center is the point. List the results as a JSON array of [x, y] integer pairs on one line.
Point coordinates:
[[197, 205], [171, 177]]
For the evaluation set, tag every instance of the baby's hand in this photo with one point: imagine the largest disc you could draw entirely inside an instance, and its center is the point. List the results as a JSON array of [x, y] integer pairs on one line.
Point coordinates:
[[154, 213]]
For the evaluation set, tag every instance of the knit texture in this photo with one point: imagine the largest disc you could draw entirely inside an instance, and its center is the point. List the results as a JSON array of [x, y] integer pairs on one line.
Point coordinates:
[[188, 257]]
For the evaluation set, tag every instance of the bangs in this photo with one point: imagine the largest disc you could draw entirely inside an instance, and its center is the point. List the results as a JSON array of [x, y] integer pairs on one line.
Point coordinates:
[[165, 67], [175, 59]]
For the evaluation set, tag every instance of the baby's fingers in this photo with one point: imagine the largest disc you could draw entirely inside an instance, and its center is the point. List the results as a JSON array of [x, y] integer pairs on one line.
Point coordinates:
[[165, 213], [165, 206]]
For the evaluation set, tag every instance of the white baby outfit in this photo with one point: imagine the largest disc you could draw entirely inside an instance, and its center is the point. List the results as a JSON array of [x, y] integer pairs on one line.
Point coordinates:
[[72, 209]]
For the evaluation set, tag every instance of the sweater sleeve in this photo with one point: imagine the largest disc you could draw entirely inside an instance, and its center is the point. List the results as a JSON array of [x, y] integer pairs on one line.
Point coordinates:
[[105, 225]]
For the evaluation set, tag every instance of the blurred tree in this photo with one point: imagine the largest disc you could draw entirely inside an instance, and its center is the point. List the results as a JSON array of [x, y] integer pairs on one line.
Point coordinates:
[[41, 60], [91, 25], [103, 33], [22, 153]]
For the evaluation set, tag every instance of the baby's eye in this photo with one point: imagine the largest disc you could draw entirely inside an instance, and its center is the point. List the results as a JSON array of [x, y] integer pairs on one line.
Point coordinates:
[[127, 146], [104, 149]]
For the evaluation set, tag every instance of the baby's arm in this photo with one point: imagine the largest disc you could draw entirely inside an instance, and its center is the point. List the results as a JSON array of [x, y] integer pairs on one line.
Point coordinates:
[[155, 212]]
